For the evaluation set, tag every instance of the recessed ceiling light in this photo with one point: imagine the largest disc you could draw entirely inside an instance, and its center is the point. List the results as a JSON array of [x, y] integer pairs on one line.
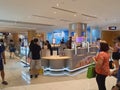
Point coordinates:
[[55, 12], [29, 16], [57, 4], [75, 15]]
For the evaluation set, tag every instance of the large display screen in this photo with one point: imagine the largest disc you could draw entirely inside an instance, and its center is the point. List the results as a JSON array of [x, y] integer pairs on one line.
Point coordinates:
[[57, 35]]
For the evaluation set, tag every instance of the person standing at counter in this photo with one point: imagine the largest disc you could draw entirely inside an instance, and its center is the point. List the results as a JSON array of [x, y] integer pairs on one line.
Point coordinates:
[[69, 43], [35, 63], [61, 48], [49, 47], [45, 51]]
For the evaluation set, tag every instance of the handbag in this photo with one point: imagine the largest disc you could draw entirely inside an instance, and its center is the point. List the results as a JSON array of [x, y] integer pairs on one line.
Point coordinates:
[[91, 71], [111, 64]]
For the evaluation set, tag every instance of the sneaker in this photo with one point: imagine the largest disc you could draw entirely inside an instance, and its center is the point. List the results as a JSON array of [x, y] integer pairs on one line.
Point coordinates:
[[5, 83]]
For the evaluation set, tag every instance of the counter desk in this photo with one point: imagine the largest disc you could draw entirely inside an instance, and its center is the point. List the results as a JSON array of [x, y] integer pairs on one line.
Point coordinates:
[[69, 63], [55, 62]]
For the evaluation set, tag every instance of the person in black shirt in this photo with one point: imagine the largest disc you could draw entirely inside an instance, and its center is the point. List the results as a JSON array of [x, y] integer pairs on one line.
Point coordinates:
[[69, 43], [35, 64]]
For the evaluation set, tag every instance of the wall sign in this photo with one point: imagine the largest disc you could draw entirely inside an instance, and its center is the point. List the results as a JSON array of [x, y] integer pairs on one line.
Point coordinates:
[[112, 27]]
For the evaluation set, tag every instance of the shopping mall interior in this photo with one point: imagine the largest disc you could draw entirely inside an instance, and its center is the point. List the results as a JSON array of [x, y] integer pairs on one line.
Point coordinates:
[[84, 21]]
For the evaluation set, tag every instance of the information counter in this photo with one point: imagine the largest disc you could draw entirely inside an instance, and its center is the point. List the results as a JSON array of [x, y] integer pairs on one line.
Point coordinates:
[[55, 62], [72, 61], [69, 63]]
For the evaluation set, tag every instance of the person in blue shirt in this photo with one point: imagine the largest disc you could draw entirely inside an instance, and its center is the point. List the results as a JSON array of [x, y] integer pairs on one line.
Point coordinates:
[[2, 62]]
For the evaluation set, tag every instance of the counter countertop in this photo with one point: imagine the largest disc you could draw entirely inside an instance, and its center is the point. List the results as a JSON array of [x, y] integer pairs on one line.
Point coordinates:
[[56, 57]]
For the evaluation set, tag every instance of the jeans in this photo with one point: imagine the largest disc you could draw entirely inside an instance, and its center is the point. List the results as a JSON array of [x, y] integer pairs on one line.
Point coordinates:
[[118, 75], [101, 81]]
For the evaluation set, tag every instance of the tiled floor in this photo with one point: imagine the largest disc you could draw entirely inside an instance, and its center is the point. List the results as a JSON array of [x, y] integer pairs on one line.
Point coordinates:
[[18, 78]]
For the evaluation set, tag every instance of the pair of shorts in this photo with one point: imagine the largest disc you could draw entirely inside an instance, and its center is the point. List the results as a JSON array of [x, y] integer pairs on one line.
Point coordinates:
[[35, 64], [1, 65], [116, 55], [12, 49]]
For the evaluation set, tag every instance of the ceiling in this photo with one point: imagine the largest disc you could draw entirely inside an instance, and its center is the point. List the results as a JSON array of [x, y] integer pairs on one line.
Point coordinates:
[[46, 15]]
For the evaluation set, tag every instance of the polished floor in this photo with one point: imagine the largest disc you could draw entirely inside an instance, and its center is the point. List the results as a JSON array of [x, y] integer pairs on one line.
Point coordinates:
[[18, 78]]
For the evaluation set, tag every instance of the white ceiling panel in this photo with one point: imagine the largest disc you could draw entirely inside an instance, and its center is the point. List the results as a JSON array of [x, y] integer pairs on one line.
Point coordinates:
[[59, 13]]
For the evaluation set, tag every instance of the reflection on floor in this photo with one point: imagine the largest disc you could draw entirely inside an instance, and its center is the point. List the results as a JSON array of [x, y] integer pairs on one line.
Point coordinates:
[[18, 75]]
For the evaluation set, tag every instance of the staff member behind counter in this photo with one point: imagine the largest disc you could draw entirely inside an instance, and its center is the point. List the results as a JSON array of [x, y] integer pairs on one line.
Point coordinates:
[[69, 43], [49, 47]]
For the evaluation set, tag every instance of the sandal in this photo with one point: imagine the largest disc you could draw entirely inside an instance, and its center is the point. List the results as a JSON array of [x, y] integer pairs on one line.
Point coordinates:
[[5, 82]]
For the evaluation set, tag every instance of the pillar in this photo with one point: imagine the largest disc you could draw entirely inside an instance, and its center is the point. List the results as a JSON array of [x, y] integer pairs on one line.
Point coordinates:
[[78, 28]]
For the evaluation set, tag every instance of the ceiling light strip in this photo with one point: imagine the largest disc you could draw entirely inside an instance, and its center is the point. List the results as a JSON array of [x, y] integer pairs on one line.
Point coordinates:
[[65, 20], [43, 16], [69, 11], [88, 16], [6, 21], [20, 22]]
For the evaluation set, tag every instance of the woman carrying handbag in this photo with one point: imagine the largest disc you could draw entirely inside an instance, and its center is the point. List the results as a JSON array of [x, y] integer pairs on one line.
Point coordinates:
[[102, 65]]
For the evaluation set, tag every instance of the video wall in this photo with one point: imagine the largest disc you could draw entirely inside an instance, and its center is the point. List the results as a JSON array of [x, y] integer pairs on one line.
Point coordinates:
[[57, 35], [93, 34]]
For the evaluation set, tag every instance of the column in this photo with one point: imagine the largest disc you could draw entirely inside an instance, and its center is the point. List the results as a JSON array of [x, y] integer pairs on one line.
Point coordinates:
[[78, 28]]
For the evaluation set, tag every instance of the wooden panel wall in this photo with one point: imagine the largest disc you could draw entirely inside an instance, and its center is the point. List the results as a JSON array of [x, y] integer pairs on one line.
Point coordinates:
[[31, 34], [15, 37], [109, 36]]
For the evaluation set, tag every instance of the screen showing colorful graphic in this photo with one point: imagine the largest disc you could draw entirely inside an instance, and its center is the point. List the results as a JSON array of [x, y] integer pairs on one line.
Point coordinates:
[[58, 35], [80, 39]]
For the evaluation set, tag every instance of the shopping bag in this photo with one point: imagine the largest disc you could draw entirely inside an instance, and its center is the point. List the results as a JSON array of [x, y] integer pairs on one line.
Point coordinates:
[[91, 71], [116, 87], [41, 71]]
